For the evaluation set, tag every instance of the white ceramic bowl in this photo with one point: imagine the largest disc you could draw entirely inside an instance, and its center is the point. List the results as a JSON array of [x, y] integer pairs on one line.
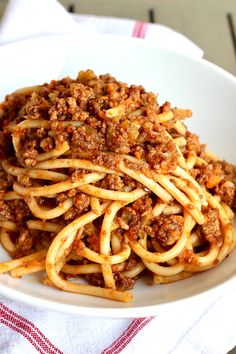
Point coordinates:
[[186, 82]]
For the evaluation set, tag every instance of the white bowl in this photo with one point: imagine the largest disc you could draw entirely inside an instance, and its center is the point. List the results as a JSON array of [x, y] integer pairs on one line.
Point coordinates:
[[184, 81]]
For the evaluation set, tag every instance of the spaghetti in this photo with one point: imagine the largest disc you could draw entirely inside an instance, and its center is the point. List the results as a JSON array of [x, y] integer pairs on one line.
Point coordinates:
[[100, 184]]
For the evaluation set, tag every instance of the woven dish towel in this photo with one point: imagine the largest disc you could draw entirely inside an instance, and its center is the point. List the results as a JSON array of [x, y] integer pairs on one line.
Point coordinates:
[[199, 325]]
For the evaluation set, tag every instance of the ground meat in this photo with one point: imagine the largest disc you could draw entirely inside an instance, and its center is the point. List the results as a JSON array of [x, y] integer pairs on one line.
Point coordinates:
[[151, 133], [61, 135], [14, 210], [70, 214], [123, 283], [47, 144], [20, 210], [28, 153], [85, 99], [90, 229], [229, 171], [91, 236], [72, 193], [210, 174], [234, 203], [193, 144], [108, 160], [138, 152], [76, 175], [36, 107], [131, 222], [166, 107], [226, 191], [162, 157], [25, 241], [129, 182], [143, 205], [168, 229], [135, 230], [117, 139], [5, 211], [211, 228], [182, 113], [94, 242], [2, 145], [88, 138], [131, 263], [69, 99], [24, 180], [81, 202], [111, 182], [99, 105], [11, 107], [72, 107], [95, 279], [79, 101], [187, 257]]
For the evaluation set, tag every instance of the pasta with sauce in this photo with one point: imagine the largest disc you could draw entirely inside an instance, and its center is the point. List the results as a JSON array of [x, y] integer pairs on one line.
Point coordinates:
[[99, 182]]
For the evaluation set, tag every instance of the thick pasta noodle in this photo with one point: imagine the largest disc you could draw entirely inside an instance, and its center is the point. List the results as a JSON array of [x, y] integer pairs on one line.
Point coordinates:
[[101, 185]]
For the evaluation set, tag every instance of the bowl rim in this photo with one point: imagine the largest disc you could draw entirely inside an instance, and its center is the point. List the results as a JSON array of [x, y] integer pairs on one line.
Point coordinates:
[[117, 312]]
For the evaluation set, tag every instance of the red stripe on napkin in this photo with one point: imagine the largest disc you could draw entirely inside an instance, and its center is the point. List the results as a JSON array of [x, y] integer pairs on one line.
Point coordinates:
[[140, 29], [25, 334], [131, 331], [21, 325]]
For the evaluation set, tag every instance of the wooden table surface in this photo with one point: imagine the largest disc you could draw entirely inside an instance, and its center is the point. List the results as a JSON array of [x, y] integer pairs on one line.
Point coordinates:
[[211, 24]]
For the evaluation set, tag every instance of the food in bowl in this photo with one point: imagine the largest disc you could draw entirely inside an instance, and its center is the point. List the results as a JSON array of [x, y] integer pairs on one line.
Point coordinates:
[[102, 183]]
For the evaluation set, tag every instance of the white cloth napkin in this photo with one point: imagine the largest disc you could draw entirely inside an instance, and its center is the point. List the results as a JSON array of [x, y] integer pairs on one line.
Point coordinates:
[[202, 324], [31, 18]]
